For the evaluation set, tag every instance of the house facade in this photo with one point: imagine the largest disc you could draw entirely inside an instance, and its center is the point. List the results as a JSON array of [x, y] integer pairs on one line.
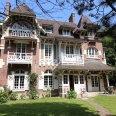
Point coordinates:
[[65, 55]]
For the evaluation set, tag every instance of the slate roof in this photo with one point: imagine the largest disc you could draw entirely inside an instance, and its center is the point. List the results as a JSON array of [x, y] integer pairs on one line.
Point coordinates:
[[82, 20], [91, 66], [56, 26], [23, 9]]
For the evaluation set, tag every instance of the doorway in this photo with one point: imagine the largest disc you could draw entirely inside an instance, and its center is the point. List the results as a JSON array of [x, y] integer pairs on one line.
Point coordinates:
[[71, 82]]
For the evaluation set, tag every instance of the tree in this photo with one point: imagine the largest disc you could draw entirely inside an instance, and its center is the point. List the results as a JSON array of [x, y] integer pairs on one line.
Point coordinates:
[[82, 6], [96, 9], [109, 42]]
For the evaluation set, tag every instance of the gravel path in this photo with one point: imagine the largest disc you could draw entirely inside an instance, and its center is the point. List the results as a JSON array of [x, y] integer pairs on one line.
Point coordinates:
[[102, 111]]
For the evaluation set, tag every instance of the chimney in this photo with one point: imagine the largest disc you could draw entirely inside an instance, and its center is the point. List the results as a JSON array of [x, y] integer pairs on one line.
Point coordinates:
[[7, 9], [72, 18]]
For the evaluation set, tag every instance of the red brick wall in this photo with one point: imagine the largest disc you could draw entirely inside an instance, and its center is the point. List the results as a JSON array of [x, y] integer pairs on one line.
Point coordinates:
[[98, 46]]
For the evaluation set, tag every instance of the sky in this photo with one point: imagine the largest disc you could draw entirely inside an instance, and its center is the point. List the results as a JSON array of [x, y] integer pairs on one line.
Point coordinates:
[[59, 15]]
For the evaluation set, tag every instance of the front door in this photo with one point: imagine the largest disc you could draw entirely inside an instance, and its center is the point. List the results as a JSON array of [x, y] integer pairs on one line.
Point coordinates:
[[21, 49], [71, 81], [94, 83]]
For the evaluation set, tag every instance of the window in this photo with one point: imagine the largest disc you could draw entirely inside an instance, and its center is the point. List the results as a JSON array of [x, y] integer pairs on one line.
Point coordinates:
[[94, 81], [19, 82], [48, 51], [22, 28], [65, 79], [81, 79], [92, 52], [76, 79], [19, 79], [69, 49], [21, 49], [66, 32], [48, 80], [49, 30]]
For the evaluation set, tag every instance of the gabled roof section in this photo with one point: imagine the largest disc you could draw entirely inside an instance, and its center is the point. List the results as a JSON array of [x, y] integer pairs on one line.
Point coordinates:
[[83, 19], [23, 9]]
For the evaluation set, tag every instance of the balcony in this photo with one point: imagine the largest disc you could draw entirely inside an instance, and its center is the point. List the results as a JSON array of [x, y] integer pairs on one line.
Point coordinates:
[[21, 33], [48, 62], [19, 58], [71, 59]]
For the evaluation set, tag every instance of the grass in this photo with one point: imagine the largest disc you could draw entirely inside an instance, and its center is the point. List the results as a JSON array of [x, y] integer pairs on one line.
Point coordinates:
[[108, 102], [48, 107]]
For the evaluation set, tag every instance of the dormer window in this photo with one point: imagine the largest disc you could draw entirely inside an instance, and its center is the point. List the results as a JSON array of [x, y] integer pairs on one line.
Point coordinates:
[[92, 52], [48, 30], [66, 32]]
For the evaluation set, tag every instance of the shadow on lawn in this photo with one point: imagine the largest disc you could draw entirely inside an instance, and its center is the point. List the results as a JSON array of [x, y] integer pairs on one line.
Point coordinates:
[[45, 109]]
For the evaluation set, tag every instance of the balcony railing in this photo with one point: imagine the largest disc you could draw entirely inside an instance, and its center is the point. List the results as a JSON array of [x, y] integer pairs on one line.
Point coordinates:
[[71, 59], [19, 58], [21, 33], [48, 62]]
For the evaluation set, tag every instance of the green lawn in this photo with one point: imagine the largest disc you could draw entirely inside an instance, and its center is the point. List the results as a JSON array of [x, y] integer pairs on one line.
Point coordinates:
[[48, 107], [108, 102]]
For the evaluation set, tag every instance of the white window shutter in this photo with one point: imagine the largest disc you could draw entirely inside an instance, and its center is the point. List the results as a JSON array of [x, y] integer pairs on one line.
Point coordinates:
[[41, 81], [10, 82], [26, 82]]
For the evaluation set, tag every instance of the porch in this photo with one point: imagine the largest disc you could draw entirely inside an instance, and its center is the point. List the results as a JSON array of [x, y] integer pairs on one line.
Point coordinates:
[[19, 58]]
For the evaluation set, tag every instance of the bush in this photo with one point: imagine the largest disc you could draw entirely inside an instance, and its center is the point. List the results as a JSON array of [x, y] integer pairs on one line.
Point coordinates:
[[33, 95], [47, 94], [23, 96], [4, 95], [13, 96], [71, 94]]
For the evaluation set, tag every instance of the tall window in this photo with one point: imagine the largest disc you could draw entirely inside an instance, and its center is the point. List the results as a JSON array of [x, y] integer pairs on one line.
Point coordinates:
[[48, 80], [66, 32], [92, 52], [65, 79], [19, 79], [94, 81], [69, 49], [48, 51], [81, 79], [21, 49]]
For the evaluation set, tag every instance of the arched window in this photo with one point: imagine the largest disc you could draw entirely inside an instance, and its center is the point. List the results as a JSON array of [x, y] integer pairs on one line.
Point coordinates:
[[19, 71], [92, 52], [22, 28], [48, 80]]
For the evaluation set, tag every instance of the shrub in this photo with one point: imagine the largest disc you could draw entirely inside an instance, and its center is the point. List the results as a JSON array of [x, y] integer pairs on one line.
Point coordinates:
[[22, 96], [4, 95], [33, 95], [13, 96], [47, 94], [71, 94]]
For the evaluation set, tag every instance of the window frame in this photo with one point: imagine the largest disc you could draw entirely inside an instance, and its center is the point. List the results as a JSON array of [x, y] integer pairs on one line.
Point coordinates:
[[48, 29], [48, 74], [66, 32], [92, 52], [48, 56]]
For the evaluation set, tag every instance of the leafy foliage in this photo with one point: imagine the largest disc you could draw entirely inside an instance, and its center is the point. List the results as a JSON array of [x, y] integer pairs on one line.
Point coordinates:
[[33, 94], [22, 96], [13, 96], [71, 94], [47, 94], [109, 42], [4, 95]]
